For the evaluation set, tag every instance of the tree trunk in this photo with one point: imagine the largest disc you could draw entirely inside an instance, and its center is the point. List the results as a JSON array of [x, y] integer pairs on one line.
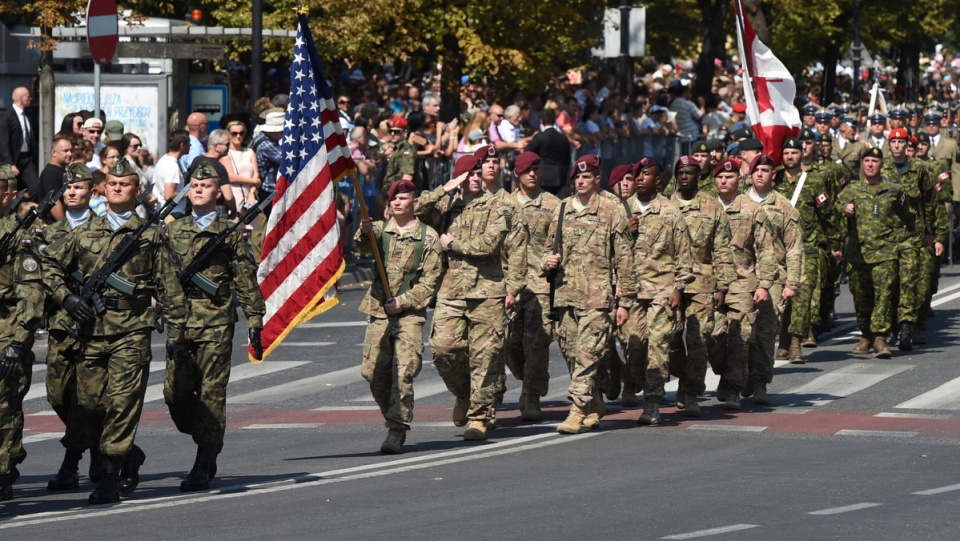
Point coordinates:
[[831, 55], [713, 13], [907, 74], [452, 71], [47, 97]]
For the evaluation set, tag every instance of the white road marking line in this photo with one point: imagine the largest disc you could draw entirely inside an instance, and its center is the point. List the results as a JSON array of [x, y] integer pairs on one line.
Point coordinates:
[[38, 389], [939, 490], [332, 325], [42, 436], [44, 413], [894, 433], [304, 344], [948, 298], [726, 428], [298, 388], [896, 415], [281, 426], [842, 383], [944, 397], [844, 509], [467, 453], [347, 408], [422, 389], [712, 531], [238, 372]]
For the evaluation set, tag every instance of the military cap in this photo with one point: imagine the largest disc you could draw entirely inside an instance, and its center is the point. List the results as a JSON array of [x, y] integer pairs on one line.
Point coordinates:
[[203, 171], [742, 133], [618, 172], [76, 172], [913, 141], [727, 165], [739, 107], [686, 161], [647, 163], [872, 153], [898, 133], [923, 137], [400, 186], [938, 108], [862, 107], [587, 162], [123, 168], [398, 123], [836, 110], [525, 162], [465, 164], [6, 172], [810, 109], [917, 109], [792, 142], [761, 159], [824, 116], [714, 144], [932, 117], [900, 114], [878, 118], [852, 121], [751, 144], [806, 134], [700, 146], [487, 151], [824, 137]]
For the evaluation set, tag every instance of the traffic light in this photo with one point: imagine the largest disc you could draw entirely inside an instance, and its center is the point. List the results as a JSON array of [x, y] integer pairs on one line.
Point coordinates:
[[195, 16]]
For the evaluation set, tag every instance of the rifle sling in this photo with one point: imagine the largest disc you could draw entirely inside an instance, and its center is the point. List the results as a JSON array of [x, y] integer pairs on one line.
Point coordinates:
[[410, 277]]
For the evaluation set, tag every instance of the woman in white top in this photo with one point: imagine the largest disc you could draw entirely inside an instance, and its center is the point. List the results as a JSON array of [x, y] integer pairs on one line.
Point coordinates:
[[241, 165]]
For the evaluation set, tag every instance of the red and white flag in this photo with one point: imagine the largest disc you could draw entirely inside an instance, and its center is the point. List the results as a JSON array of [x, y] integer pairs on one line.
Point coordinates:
[[768, 89], [302, 256]]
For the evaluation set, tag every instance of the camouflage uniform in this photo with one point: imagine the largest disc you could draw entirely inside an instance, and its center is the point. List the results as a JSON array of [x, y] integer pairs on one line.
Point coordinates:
[[514, 259], [528, 339], [787, 240], [596, 256], [469, 320], [827, 289], [713, 270], [705, 184], [391, 382], [755, 265], [402, 161], [663, 262], [195, 386], [881, 218], [929, 262], [21, 309], [112, 376]]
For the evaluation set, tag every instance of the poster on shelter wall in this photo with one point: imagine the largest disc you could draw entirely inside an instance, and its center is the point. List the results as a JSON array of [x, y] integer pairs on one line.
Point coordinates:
[[137, 106]]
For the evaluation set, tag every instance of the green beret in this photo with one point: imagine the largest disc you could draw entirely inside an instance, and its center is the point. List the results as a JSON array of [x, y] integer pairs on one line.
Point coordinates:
[[792, 142], [872, 153], [700, 146], [807, 134]]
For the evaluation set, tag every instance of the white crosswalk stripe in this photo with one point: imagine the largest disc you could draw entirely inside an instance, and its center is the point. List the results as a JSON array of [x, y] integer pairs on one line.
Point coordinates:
[[840, 383], [944, 397]]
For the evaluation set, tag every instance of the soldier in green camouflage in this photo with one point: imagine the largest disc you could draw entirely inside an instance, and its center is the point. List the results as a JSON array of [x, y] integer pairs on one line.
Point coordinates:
[[113, 375], [81, 429], [595, 258], [713, 270], [21, 306], [528, 339], [918, 185], [755, 265], [929, 261], [393, 344], [663, 263], [877, 216], [402, 162], [195, 386], [470, 317]]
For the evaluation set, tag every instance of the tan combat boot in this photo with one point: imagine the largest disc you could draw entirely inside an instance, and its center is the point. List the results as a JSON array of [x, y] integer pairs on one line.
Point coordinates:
[[476, 431], [810, 341], [863, 345], [880, 349], [395, 439], [573, 424], [460, 411], [796, 352], [531, 408], [595, 411]]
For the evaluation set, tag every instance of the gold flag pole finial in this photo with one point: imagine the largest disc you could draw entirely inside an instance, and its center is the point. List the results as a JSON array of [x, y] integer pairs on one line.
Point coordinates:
[[300, 9]]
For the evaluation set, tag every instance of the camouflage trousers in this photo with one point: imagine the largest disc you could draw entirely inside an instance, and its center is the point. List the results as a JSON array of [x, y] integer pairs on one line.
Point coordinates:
[[800, 314], [584, 338], [929, 280], [872, 287], [646, 341], [527, 347], [911, 282], [111, 383], [734, 335], [693, 343], [766, 328], [81, 427], [392, 357], [467, 339], [11, 413], [826, 291], [195, 387]]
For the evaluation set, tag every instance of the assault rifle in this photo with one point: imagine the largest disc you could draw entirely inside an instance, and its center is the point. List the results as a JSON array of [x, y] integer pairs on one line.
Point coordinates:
[[192, 275], [40, 211], [552, 275]]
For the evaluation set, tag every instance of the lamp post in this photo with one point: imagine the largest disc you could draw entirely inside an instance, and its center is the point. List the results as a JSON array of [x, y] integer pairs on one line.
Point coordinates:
[[857, 53]]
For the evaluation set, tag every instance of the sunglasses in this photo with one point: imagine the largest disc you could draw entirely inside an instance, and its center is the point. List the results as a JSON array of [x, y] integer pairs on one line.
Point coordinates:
[[396, 131], [343, 102], [240, 133], [135, 146], [90, 130]]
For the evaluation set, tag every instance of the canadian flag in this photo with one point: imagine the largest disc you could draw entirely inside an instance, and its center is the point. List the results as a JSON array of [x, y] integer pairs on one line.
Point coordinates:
[[768, 89]]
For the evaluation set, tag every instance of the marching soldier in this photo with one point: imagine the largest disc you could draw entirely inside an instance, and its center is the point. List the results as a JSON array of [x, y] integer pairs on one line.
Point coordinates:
[[112, 377], [198, 368], [528, 339], [589, 257], [21, 303]]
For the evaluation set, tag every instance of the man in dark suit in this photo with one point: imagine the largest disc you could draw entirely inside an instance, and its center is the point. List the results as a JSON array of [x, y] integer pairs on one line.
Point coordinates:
[[555, 153], [18, 141]]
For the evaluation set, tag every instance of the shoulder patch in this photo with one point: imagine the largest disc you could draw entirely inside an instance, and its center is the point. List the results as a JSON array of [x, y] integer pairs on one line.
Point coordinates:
[[938, 186], [944, 176], [30, 264], [822, 198]]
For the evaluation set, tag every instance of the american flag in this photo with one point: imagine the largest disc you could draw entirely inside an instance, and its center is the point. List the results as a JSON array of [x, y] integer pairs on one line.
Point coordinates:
[[302, 256]]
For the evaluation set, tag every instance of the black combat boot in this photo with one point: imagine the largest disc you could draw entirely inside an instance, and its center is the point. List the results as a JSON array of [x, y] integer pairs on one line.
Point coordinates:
[[130, 473], [6, 484], [199, 476], [108, 490], [68, 477], [96, 465], [906, 336]]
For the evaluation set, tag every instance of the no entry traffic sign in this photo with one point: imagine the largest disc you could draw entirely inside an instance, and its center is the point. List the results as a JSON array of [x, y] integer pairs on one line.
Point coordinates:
[[102, 30]]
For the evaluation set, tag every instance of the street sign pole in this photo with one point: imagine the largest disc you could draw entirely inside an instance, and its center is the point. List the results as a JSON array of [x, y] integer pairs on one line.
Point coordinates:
[[96, 90]]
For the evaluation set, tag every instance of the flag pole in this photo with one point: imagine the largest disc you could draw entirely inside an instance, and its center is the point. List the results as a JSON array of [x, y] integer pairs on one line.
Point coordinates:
[[372, 238]]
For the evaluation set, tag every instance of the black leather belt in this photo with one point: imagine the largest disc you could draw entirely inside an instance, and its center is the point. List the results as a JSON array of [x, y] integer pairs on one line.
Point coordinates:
[[118, 304]]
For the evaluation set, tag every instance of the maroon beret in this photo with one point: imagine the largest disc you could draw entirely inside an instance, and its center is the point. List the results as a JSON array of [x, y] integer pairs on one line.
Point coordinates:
[[619, 172], [587, 162], [686, 161], [761, 159], [487, 151], [728, 165], [645, 163], [465, 164], [525, 162], [400, 186]]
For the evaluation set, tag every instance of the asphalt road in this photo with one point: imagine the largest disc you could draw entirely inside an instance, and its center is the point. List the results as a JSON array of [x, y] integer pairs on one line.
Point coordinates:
[[851, 448]]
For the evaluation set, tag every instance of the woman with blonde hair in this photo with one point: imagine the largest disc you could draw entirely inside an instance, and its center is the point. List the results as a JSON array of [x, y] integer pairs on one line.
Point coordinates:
[[241, 165], [480, 121]]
